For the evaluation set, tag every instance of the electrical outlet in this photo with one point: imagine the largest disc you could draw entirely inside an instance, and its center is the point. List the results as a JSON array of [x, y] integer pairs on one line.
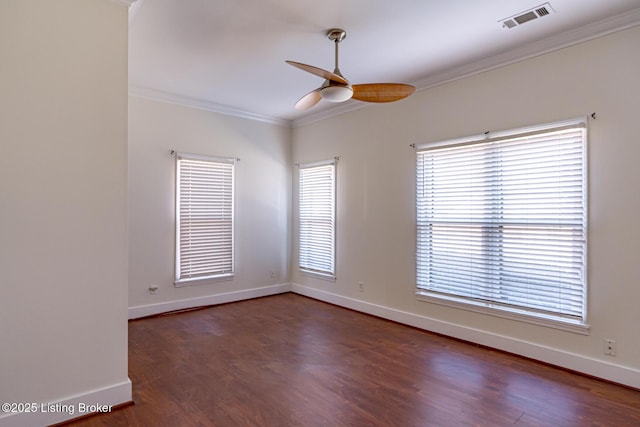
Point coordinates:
[[153, 289], [272, 274], [609, 347], [361, 286]]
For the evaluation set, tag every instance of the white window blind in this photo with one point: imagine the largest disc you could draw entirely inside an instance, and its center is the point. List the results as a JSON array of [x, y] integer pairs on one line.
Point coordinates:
[[316, 246], [204, 218], [501, 222]]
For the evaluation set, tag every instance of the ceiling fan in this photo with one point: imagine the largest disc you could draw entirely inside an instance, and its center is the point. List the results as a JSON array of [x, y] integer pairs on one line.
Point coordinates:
[[338, 89]]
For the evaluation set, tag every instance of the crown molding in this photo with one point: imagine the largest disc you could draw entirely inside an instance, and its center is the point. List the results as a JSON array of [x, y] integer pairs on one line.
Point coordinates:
[[201, 104], [126, 3], [133, 10], [336, 110], [588, 32]]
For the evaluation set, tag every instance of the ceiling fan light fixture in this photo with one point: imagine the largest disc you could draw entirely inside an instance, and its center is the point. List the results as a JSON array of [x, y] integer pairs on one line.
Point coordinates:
[[336, 93]]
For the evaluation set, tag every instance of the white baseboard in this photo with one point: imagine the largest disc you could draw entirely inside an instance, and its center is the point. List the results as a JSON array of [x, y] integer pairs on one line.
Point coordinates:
[[575, 362], [47, 413], [165, 307]]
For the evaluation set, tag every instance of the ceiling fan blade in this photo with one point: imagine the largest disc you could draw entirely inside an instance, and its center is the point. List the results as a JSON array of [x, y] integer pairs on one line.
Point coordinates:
[[309, 100], [319, 72], [382, 92]]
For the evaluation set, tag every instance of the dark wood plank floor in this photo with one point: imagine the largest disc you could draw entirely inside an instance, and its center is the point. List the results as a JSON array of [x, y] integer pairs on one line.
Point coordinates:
[[287, 360]]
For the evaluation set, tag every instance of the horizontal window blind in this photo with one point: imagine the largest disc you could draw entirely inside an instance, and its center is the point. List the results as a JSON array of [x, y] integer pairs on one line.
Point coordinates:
[[503, 222], [204, 218], [316, 246]]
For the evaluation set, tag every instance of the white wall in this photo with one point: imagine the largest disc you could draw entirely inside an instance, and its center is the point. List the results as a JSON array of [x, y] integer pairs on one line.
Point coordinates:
[[63, 203], [376, 181], [263, 197]]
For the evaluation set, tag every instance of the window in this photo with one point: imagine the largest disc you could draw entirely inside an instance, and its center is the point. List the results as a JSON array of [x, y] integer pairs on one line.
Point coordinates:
[[316, 218], [501, 224], [204, 219]]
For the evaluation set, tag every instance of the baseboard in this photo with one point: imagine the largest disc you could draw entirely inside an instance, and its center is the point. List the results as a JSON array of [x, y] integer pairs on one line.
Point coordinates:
[[45, 413], [574, 362], [165, 307]]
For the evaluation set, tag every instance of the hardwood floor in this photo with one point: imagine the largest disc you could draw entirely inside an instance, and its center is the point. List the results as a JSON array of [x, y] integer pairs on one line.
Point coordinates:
[[287, 360]]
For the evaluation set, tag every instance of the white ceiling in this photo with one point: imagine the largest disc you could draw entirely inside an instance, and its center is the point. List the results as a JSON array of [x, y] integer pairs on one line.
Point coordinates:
[[228, 55]]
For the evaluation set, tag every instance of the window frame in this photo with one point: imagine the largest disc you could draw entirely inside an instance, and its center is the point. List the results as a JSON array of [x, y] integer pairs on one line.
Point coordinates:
[[224, 274], [577, 325], [309, 268]]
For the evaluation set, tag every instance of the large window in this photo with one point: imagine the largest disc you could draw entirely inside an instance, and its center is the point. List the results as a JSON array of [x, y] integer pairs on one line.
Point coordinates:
[[204, 219], [501, 224], [317, 219]]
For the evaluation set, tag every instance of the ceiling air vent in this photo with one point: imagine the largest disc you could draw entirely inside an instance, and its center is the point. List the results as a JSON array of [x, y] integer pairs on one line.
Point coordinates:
[[526, 16]]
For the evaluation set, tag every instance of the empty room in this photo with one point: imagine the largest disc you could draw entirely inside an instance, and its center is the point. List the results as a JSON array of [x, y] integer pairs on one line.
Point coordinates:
[[293, 213]]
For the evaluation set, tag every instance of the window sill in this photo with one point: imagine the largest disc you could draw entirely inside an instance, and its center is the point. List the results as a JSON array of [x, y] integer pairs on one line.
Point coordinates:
[[317, 275], [203, 280], [506, 313]]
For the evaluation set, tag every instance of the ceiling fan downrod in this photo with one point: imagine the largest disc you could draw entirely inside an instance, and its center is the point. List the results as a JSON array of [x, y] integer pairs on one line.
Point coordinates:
[[336, 35]]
